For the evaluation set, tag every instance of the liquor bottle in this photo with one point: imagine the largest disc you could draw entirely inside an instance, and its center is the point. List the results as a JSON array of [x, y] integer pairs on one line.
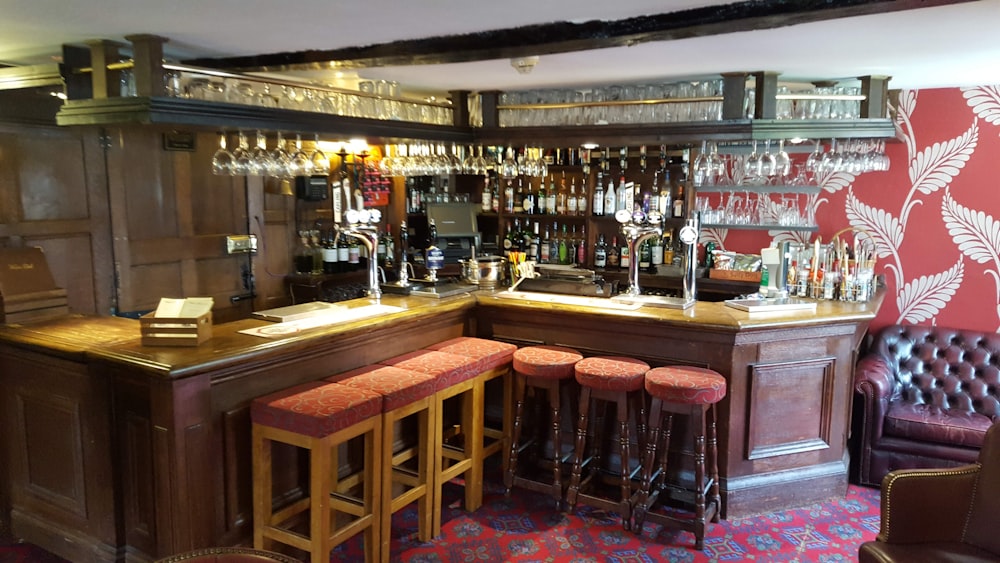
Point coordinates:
[[343, 254], [554, 245], [389, 262], [600, 252], [496, 197], [624, 197], [572, 203], [656, 253], [529, 200], [330, 254], [541, 202], [654, 193], [544, 252], [550, 203], [679, 202], [508, 240], [581, 199], [487, 195], [666, 205], [561, 196], [534, 243], [614, 256], [581, 248], [598, 208], [508, 196], [645, 258], [302, 256], [625, 258], [564, 246], [610, 199], [519, 196], [354, 254]]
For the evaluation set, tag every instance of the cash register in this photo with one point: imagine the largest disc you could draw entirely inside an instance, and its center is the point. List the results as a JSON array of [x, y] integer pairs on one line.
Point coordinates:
[[457, 229]]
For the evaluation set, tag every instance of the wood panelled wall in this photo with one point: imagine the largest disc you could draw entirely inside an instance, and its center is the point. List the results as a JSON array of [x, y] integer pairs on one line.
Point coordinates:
[[53, 195], [125, 221]]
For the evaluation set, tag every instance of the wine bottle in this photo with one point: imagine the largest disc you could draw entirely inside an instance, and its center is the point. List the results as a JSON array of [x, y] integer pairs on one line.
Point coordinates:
[[544, 252], [614, 256], [645, 258], [572, 203], [625, 258], [519, 196], [528, 203], [330, 254], [581, 200]]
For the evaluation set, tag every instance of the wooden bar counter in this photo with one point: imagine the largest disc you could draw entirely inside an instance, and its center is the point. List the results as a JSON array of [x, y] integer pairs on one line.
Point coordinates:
[[115, 451]]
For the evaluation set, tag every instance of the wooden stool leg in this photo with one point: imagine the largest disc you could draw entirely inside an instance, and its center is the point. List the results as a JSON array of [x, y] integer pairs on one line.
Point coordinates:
[[581, 443], [515, 434], [425, 506], [622, 412], [373, 494], [556, 413], [508, 418], [640, 506], [698, 417], [320, 486], [473, 413], [262, 490], [713, 452]]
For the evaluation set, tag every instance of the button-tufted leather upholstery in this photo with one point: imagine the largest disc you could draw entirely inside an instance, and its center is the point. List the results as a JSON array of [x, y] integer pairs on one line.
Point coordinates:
[[924, 397], [941, 514]]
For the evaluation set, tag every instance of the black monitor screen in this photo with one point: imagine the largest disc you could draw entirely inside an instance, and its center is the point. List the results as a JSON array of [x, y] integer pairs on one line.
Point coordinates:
[[454, 219]]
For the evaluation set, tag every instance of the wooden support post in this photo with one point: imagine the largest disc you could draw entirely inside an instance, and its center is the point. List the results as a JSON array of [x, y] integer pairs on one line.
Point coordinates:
[[460, 107], [876, 91], [105, 83], [491, 113], [147, 54], [79, 86], [766, 88], [734, 92]]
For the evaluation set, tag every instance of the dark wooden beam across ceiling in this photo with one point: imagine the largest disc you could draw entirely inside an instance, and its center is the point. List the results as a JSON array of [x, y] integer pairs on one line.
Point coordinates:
[[563, 37]]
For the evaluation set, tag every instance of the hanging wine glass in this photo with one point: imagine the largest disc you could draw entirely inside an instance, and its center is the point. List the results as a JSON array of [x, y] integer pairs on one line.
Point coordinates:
[[242, 159], [716, 166], [751, 166], [508, 167], [260, 159], [768, 164], [281, 161], [300, 165], [815, 157], [320, 162], [701, 166], [782, 164], [833, 160], [223, 161]]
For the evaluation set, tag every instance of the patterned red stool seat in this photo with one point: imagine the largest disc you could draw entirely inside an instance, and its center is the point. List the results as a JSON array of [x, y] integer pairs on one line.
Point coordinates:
[[690, 391], [406, 395], [454, 378], [494, 371], [317, 417], [542, 368], [603, 380]]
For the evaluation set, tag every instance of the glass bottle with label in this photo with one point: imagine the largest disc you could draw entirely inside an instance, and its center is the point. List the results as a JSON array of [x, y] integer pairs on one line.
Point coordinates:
[[544, 254], [528, 203], [598, 208], [581, 248], [614, 255], [508, 195], [600, 252], [551, 197], [572, 203], [487, 204], [541, 201], [679, 202], [645, 255], [625, 258], [533, 244], [562, 196], [519, 196], [581, 199], [330, 254], [656, 253]]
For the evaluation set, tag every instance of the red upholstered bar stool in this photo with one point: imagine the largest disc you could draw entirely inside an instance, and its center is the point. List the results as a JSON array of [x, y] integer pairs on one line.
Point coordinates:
[[317, 417], [548, 369], [604, 380], [454, 378], [690, 391], [494, 366], [406, 395]]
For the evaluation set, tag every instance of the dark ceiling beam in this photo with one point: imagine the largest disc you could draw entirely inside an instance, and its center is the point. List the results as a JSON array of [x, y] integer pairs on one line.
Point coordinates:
[[563, 37]]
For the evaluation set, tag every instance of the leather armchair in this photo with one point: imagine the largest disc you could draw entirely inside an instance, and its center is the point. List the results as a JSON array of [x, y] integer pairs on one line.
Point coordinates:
[[228, 555], [941, 514], [924, 397]]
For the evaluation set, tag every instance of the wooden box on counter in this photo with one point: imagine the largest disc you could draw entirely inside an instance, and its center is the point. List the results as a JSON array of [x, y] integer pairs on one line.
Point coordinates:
[[734, 275], [27, 291], [175, 331]]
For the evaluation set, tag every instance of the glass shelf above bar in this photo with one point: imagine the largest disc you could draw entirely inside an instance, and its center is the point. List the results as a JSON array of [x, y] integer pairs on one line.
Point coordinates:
[[761, 189], [758, 227]]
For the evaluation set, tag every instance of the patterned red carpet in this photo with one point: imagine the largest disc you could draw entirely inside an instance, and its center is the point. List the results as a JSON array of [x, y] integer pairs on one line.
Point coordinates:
[[527, 528]]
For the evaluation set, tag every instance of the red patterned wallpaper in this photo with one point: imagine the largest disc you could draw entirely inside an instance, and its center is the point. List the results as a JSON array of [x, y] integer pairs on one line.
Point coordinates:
[[933, 214]]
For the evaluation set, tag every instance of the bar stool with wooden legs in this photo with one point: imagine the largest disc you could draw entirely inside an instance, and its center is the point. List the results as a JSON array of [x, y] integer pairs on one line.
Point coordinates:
[[616, 380], [548, 369], [458, 449], [406, 395], [690, 391], [494, 359], [318, 417]]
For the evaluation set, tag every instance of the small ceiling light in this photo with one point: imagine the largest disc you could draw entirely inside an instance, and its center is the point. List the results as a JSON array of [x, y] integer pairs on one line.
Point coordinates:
[[524, 65]]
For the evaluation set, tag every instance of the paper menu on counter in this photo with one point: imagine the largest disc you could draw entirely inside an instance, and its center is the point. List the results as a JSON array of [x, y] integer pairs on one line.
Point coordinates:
[[189, 308]]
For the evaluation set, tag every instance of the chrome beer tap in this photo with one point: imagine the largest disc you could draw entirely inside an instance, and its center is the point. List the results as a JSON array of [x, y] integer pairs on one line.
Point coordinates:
[[637, 226], [362, 224]]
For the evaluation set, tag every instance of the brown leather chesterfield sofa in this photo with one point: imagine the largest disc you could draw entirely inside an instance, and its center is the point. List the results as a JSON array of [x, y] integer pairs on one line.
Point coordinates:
[[941, 514], [924, 397]]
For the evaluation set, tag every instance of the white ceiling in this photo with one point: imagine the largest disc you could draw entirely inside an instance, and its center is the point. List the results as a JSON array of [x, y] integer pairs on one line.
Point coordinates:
[[952, 45]]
